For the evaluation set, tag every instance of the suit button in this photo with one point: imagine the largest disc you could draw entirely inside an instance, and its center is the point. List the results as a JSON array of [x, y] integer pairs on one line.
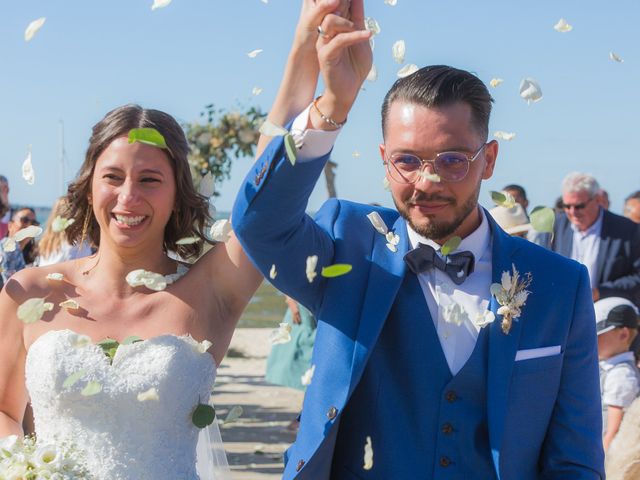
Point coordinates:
[[300, 465], [332, 413], [445, 462], [447, 428], [451, 396]]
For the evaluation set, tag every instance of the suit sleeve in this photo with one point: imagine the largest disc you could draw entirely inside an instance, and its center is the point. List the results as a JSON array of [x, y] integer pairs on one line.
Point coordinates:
[[270, 222], [627, 286], [573, 446]]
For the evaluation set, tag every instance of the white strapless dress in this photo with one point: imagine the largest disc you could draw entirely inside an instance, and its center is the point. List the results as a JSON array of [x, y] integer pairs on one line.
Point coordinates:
[[120, 436]]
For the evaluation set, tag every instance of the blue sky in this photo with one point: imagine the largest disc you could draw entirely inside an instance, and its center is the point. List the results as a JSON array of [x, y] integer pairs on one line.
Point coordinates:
[[93, 56]]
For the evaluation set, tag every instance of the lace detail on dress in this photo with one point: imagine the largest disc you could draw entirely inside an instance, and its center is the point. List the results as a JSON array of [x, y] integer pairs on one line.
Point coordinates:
[[122, 438]]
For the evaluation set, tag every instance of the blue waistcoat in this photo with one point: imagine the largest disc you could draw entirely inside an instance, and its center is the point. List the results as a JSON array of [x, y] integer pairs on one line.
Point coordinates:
[[439, 428]]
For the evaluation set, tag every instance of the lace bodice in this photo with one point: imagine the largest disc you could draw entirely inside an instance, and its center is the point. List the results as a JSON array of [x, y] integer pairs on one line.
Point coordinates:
[[121, 435]]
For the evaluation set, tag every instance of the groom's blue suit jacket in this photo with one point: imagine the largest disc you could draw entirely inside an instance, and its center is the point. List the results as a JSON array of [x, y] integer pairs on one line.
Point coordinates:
[[544, 414]]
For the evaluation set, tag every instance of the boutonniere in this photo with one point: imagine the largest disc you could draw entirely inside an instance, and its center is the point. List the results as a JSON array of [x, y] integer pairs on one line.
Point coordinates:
[[511, 293], [392, 239]]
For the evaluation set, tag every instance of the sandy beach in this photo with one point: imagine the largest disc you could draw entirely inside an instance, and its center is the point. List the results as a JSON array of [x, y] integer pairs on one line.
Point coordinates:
[[256, 441]]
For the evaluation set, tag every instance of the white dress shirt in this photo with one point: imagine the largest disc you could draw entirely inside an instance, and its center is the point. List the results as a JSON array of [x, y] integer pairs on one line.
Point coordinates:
[[586, 246], [441, 294]]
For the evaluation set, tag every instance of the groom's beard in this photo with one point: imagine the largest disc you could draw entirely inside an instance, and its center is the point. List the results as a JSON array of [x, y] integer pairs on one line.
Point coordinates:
[[436, 229]]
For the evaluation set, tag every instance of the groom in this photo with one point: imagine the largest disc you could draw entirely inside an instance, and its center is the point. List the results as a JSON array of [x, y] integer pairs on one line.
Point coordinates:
[[411, 353]]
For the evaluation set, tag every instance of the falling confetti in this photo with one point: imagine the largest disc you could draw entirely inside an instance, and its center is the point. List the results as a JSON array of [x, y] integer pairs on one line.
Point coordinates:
[[399, 50], [407, 70], [220, 231], [159, 4], [391, 3], [33, 309], [254, 53], [69, 304], [355, 154], [530, 90], [373, 74], [615, 57], [256, 91], [33, 28], [150, 395], [494, 82], [280, 335], [312, 262], [27, 169], [562, 26], [60, 224], [308, 376], [273, 273], [368, 455], [500, 135], [234, 414], [56, 277]]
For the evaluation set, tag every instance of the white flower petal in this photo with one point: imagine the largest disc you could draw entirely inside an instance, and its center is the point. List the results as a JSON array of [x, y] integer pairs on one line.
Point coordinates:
[[31, 231], [500, 135], [562, 26], [220, 231], [368, 455], [392, 238], [69, 304], [234, 414], [399, 49], [55, 276], [308, 376], [494, 82], [530, 90], [485, 318], [377, 222], [188, 241], [392, 247], [159, 4], [372, 25], [615, 57], [385, 184], [273, 272], [270, 129], [33, 28], [27, 170], [407, 70], [312, 263], [151, 280], [280, 335], [391, 3], [431, 177], [256, 91], [373, 74], [203, 346], [150, 395], [254, 53], [355, 154], [33, 309], [10, 245], [207, 185]]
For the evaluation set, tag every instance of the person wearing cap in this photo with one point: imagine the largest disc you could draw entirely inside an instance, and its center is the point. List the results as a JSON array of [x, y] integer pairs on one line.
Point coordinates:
[[512, 220], [616, 326]]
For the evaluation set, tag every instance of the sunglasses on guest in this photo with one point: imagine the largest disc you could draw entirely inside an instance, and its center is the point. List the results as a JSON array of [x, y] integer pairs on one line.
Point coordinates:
[[28, 221], [577, 206]]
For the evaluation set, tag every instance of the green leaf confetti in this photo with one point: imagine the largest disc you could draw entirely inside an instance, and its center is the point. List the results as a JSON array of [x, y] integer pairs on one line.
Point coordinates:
[[73, 378], [290, 147], [336, 270], [450, 245], [203, 415], [131, 339], [542, 219], [148, 136], [92, 388]]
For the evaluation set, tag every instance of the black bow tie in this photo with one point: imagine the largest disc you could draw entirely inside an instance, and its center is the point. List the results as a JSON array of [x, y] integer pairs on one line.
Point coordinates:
[[457, 265]]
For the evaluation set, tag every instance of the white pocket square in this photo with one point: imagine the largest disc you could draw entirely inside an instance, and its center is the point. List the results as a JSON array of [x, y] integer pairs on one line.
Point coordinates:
[[537, 353]]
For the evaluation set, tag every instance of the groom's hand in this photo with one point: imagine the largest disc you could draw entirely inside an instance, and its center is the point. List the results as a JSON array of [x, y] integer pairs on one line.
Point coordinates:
[[345, 59]]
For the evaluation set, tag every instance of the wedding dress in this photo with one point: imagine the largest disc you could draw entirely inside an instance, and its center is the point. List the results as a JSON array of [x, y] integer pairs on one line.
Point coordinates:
[[130, 419]]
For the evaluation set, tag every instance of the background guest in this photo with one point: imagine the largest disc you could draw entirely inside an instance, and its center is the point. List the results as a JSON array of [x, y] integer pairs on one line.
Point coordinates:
[[632, 207], [519, 195], [603, 199], [5, 207], [14, 261]]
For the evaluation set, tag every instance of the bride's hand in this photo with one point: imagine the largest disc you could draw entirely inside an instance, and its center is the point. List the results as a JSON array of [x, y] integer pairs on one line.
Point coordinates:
[[345, 60]]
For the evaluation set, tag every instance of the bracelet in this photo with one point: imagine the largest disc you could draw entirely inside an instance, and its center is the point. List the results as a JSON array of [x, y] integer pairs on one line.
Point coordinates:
[[329, 120]]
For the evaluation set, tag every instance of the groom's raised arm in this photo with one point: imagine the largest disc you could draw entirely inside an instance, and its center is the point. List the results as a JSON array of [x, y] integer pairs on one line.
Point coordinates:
[[269, 214]]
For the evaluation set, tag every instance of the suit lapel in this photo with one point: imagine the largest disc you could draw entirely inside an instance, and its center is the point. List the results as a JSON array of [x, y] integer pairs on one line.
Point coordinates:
[[565, 243], [387, 273], [502, 347]]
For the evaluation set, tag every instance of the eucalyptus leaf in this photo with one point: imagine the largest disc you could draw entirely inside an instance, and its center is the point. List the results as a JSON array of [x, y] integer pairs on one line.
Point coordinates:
[[498, 198], [233, 414], [72, 379], [450, 245], [336, 270], [92, 388], [203, 415], [290, 147], [107, 344], [542, 219], [148, 136], [131, 339]]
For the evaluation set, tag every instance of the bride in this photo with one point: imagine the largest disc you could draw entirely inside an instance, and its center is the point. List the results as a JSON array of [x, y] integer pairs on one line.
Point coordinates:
[[128, 404]]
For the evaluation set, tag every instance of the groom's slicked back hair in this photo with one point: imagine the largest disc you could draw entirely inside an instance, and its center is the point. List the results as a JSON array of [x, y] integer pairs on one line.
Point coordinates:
[[438, 86]]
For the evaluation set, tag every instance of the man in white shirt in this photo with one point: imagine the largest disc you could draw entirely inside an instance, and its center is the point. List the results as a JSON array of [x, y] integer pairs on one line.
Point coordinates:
[[451, 349]]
